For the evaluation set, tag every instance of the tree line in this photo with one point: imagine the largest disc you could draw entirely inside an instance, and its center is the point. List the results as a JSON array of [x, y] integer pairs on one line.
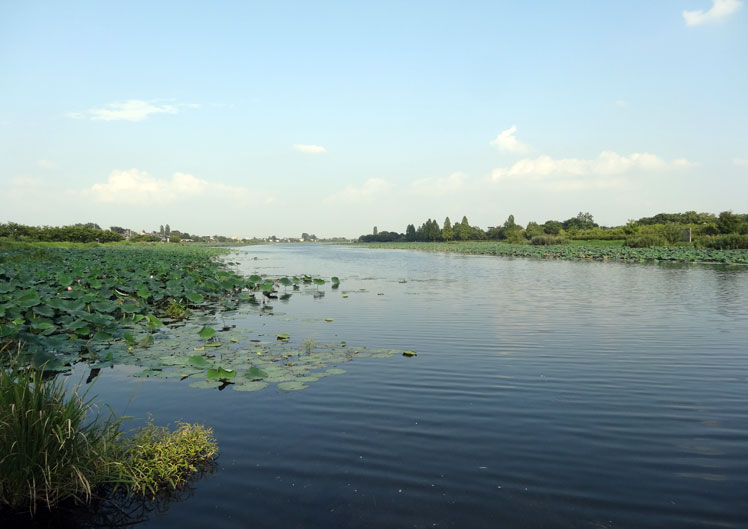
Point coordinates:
[[663, 228]]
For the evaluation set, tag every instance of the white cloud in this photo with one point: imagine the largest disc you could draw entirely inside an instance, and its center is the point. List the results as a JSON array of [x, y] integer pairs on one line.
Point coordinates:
[[740, 162], [368, 191], [574, 173], [310, 149], [140, 188], [440, 186], [720, 9], [131, 110], [46, 164], [506, 142]]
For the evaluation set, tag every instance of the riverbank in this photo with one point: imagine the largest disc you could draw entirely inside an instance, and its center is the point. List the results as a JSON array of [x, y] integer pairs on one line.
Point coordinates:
[[573, 251]]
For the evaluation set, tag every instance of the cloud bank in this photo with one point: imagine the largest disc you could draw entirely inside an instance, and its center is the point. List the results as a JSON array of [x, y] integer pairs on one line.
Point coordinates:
[[605, 171], [720, 9], [137, 187]]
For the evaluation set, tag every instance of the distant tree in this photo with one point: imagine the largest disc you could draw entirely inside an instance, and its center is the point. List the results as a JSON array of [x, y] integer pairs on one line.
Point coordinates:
[[375, 230], [447, 231], [533, 230], [727, 222], [462, 230], [552, 227], [167, 230], [161, 231], [117, 229], [583, 221], [304, 236], [410, 233]]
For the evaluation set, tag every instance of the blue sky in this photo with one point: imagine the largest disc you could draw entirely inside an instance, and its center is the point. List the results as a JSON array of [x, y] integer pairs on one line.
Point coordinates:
[[253, 119]]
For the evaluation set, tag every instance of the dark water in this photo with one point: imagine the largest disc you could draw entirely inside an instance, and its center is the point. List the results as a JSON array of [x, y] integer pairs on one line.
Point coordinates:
[[544, 394]]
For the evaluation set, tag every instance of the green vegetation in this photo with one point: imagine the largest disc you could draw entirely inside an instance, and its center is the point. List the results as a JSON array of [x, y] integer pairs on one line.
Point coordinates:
[[51, 451], [157, 458], [96, 304], [578, 251], [54, 453], [728, 231]]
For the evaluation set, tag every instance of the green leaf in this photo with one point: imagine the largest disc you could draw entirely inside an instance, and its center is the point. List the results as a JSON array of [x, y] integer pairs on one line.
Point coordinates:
[[255, 373], [129, 338], [153, 321], [409, 353], [206, 333], [41, 325], [219, 373], [199, 362], [283, 337], [102, 336], [194, 297], [44, 310], [143, 292]]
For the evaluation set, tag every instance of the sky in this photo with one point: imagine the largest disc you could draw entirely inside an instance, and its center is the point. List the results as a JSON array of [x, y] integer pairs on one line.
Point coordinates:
[[276, 118]]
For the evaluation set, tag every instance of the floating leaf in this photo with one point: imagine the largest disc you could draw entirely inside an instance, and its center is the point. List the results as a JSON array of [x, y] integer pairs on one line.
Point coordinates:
[[409, 353], [219, 373], [292, 386], [199, 361], [283, 336], [194, 297], [207, 333], [255, 373]]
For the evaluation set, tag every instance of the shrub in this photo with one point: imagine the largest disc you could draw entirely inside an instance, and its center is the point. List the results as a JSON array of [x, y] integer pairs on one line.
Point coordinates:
[[547, 240], [50, 450], [732, 241], [159, 459], [646, 240]]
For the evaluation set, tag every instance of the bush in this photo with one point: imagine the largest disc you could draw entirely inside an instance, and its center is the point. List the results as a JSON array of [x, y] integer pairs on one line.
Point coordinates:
[[732, 241], [158, 459], [50, 451], [547, 240], [646, 240]]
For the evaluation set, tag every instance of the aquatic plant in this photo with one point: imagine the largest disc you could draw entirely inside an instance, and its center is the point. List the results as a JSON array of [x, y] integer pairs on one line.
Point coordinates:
[[158, 459], [51, 449]]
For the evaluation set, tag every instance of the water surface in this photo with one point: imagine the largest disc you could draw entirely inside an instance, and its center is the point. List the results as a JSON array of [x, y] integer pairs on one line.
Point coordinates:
[[544, 394]]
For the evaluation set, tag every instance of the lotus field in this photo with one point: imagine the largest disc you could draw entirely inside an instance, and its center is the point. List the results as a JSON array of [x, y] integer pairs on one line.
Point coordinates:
[[157, 308], [575, 251]]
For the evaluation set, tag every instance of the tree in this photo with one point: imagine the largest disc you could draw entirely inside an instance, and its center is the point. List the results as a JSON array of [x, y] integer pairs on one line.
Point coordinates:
[[410, 233], [447, 231], [462, 230], [375, 230], [533, 230], [552, 227], [727, 222], [167, 230], [161, 230], [117, 229]]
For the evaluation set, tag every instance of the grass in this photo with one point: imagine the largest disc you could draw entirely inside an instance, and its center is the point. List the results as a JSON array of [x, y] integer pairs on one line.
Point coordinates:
[[56, 450], [51, 450], [159, 459]]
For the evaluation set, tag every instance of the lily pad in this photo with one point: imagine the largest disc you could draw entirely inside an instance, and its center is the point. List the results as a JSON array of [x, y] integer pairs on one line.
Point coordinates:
[[292, 386]]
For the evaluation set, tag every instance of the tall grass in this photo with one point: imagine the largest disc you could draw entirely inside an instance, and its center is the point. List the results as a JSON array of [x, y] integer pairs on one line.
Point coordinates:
[[51, 448]]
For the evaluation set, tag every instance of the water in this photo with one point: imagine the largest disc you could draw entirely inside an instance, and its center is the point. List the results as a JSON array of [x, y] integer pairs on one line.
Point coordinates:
[[544, 394]]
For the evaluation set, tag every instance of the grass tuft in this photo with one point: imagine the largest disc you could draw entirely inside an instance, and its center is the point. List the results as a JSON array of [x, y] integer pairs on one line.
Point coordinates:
[[50, 449]]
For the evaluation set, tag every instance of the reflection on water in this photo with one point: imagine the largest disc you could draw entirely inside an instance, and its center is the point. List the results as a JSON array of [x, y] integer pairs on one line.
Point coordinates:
[[544, 394]]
